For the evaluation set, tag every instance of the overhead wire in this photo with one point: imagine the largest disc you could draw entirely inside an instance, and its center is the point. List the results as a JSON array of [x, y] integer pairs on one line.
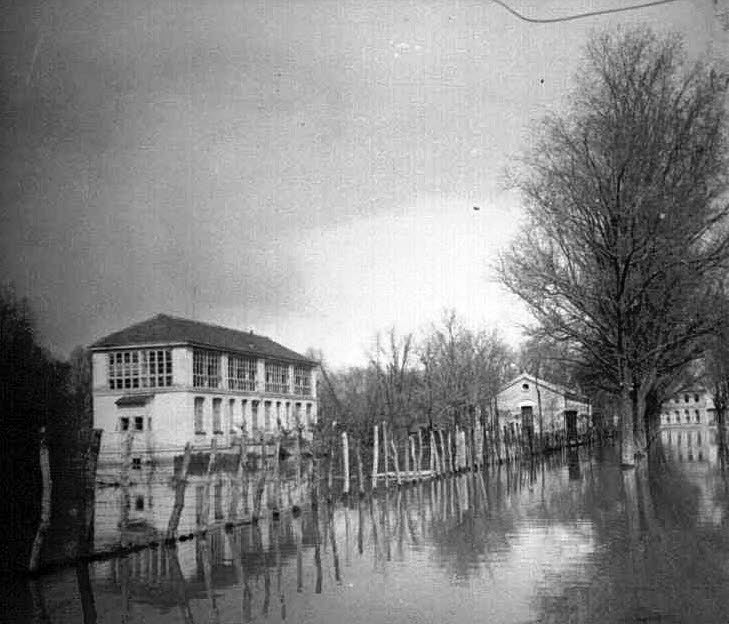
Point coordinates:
[[569, 18]]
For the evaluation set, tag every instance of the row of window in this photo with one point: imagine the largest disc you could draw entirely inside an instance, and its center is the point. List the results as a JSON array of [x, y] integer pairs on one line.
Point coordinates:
[[152, 368], [685, 398], [687, 417], [275, 414]]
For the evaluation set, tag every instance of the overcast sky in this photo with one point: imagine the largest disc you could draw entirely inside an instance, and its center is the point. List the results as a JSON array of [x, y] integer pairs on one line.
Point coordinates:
[[304, 169]]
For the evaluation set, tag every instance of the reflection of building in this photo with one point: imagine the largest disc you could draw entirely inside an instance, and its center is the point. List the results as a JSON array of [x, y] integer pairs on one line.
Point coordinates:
[[527, 401], [688, 408], [169, 381]]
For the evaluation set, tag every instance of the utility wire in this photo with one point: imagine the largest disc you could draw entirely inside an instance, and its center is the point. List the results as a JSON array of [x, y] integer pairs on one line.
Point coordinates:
[[577, 16]]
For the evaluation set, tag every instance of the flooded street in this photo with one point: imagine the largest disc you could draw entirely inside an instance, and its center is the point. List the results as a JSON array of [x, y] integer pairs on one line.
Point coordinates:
[[570, 539]]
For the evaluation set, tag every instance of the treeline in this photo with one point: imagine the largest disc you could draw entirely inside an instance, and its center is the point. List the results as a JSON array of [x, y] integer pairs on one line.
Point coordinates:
[[36, 390], [441, 378]]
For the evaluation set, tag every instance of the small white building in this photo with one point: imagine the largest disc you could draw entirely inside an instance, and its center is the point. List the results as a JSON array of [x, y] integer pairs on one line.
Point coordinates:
[[528, 402], [170, 381]]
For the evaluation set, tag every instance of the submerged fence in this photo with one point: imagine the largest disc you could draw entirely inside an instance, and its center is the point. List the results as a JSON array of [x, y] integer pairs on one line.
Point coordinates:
[[241, 485]]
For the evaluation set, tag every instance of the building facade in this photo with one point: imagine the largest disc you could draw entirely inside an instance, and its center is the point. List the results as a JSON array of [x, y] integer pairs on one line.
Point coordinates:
[[528, 402], [688, 408], [168, 381]]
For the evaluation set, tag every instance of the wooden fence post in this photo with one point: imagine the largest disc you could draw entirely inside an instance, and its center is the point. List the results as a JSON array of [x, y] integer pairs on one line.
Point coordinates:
[[45, 518], [345, 462], [385, 452], [208, 482], [375, 458], [395, 461], [360, 470], [180, 487]]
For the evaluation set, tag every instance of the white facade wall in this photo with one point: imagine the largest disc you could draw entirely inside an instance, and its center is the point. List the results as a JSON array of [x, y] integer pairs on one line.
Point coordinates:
[[688, 409], [169, 413], [525, 391]]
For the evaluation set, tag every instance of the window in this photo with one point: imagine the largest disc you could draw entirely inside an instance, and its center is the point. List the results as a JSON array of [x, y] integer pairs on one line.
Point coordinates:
[[136, 463], [525, 387], [678, 418], [205, 369], [696, 398], [698, 415], [139, 503], [124, 423], [254, 416], [150, 368], [243, 413], [279, 422], [686, 414], [297, 413], [685, 398], [302, 380], [241, 373], [277, 377], [199, 402], [309, 421], [267, 416], [231, 410], [139, 423], [217, 426]]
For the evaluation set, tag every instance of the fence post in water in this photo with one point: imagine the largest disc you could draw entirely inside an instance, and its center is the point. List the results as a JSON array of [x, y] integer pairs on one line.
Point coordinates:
[[385, 451], [180, 486], [345, 462], [397, 464], [420, 450], [45, 518], [434, 464], [277, 470], [208, 482], [449, 462], [442, 452], [360, 470], [127, 457], [416, 466], [375, 458], [406, 459]]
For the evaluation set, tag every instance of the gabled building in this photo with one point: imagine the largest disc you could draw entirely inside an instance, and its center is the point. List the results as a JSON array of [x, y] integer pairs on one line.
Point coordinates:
[[526, 402], [170, 381]]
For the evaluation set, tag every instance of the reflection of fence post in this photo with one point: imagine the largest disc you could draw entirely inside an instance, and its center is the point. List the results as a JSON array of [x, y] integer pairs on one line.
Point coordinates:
[[345, 462], [45, 518], [180, 487], [416, 467], [127, 457], [375, 458]]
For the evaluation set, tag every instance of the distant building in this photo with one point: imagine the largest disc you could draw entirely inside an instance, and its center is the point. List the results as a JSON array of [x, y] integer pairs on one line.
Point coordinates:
[[170, 381], [526, 402], [688, 408]]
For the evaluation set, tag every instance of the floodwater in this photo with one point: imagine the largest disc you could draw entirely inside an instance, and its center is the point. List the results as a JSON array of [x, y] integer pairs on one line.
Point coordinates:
[[570, 539]]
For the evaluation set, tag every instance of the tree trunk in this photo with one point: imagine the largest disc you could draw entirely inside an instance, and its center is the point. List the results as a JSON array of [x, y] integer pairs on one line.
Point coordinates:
[[627, 442]]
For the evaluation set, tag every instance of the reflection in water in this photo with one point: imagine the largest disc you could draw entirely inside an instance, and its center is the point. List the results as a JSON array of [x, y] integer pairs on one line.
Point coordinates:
[[570, 539]]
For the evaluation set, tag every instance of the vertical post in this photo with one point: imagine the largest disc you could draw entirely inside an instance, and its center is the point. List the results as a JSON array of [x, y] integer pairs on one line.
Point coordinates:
[[180, 486], [450, 452], [385, 451], [45, 518], [345, 462], [375, 458], [395, 461], [208, 482], [406, 458], [442, 451], [360, 470], [277, 470], [416, 467], [420, 450]]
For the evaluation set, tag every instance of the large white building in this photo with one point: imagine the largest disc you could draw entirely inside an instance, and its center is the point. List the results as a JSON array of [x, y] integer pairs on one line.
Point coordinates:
[[168, 381], [528, 402]]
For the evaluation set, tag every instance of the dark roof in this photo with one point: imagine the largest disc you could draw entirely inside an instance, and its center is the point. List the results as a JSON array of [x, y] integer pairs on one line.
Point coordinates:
[[163, 329]]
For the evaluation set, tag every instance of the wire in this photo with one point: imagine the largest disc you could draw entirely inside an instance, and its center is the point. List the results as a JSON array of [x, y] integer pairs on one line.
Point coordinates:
[[577, 16]]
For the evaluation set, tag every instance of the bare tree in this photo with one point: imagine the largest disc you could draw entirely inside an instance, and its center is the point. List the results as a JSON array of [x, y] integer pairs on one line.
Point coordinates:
[[626, 203]]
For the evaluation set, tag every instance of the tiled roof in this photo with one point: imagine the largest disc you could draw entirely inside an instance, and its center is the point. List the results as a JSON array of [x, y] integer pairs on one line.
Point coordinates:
[[164, 329]]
